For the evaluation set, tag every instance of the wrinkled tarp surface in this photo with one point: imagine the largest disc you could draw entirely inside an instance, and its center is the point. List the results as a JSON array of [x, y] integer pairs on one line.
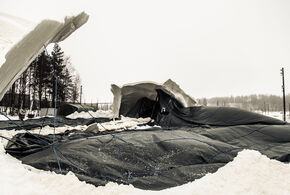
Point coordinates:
[[150, 159], [167, 112], [47, 121]]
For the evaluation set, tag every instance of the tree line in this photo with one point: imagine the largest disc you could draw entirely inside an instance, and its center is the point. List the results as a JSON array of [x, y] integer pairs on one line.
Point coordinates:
[[36, 87], [252, 102]]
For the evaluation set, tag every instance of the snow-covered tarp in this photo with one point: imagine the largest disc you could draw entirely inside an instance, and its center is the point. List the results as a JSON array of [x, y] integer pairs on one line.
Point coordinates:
[[21, 42]]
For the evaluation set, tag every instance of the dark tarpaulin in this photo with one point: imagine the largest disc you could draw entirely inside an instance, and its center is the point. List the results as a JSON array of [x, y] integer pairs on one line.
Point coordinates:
[[151, 159], [190, 143], [168, 112], [47, 121], [67, 109]]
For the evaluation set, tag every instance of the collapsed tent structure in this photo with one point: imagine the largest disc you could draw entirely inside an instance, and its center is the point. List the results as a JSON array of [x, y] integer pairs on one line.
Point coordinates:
[[170, 106], [189, 141], [145, 95]]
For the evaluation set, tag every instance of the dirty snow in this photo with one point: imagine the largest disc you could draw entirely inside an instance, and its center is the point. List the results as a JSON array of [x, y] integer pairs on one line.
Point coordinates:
[[249, 173], [91, 114], [125, 123]]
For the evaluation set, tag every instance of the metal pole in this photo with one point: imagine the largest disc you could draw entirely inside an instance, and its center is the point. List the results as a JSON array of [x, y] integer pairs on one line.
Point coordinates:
[[289, 109], [81, 94], [283, 90]]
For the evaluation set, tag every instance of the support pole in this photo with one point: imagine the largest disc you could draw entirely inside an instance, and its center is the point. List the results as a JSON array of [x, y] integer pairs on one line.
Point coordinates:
[[283, 90], [81, 93]]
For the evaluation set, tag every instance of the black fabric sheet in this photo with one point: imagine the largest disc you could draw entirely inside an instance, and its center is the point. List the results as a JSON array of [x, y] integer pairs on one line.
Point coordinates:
[[168, 112], [67, 109], [41, 122], [151, 159], [190, 143]]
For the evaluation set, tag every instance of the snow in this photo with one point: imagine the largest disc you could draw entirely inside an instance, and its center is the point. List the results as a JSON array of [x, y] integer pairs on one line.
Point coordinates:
[[15, 117], [249, 173], [125, 123], [277, 115], [3, 118], [16, 178], [91, 114]]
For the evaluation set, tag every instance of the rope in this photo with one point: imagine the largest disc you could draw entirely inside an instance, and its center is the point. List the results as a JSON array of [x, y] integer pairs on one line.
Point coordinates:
[[135, 151], [122, 158], [92, 116], [54, 119], [42, 140], [54, 124], [42, 122]]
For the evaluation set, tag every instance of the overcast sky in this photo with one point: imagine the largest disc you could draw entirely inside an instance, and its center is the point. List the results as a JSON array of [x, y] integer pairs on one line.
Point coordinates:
[[209, 47]]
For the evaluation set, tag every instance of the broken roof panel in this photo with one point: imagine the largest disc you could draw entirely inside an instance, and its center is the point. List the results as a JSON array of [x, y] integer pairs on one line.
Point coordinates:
[[125, 97], [31, 45]]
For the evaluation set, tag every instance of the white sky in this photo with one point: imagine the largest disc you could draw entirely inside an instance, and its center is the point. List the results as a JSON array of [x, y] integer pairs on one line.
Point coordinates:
[[210, 47]]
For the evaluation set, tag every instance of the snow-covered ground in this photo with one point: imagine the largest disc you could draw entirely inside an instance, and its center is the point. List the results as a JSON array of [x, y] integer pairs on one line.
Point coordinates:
[[277, 115], [109, 114], [3, 118]]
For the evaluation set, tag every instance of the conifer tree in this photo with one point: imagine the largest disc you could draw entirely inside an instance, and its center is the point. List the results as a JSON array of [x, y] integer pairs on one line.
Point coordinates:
[[57, 59], [38, 81]]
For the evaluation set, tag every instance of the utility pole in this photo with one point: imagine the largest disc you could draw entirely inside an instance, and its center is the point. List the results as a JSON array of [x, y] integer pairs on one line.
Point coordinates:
[[283, 90], [81, 93]]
